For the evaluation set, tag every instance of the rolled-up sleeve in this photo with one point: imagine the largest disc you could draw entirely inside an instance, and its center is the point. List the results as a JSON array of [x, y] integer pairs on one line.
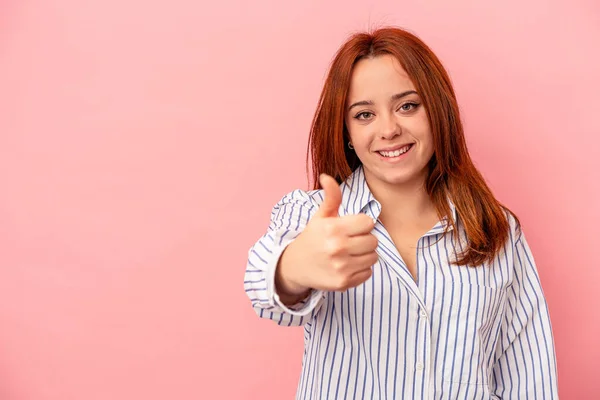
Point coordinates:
[[289, 217], [525, 365]]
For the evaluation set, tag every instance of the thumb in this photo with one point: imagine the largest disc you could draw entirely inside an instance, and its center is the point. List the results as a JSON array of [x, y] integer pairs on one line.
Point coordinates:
[[332, 197]]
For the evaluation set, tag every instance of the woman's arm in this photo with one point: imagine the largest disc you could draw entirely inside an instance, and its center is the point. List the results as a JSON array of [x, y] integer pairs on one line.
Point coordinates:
[[525, 364], [288, 219]]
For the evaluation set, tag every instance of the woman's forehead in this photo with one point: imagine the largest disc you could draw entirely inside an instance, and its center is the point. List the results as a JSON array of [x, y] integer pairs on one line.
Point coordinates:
[[381, 76]]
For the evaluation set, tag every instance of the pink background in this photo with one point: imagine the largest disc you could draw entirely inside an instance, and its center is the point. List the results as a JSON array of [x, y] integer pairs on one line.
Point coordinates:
[[143, 143]]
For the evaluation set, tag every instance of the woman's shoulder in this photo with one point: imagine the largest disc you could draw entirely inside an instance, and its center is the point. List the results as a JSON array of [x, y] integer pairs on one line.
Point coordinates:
[[514, 225], [296, 205], [301, 197]]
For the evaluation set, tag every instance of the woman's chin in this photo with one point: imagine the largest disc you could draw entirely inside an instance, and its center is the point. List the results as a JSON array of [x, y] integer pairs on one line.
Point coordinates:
[[399, 177]]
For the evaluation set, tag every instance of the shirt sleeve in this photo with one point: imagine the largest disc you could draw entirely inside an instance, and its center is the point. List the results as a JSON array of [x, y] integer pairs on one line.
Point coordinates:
[[525, 364], [288, 219]]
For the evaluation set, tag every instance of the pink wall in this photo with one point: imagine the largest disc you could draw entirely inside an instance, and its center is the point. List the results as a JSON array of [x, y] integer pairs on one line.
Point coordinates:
[[143, 143]]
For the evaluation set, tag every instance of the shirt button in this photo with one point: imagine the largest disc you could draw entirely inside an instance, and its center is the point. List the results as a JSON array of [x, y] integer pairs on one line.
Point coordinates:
[[419, 366], [423, 313]]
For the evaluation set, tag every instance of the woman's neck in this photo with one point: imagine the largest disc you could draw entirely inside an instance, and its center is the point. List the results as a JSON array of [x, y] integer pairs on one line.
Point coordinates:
[[408, 202]]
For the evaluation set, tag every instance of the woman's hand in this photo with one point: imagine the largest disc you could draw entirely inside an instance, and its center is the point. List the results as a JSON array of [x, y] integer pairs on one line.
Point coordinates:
[[333, 253]]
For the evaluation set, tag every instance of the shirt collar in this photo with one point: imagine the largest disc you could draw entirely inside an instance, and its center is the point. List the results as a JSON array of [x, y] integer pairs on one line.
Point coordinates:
[[444, 224], [356, 195], [357, 198]]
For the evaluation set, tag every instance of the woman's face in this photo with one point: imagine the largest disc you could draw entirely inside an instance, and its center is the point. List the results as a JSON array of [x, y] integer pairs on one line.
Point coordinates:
[[387, 123]]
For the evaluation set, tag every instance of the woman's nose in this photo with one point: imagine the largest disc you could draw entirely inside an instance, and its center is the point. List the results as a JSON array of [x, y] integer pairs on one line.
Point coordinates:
[[389, 127]]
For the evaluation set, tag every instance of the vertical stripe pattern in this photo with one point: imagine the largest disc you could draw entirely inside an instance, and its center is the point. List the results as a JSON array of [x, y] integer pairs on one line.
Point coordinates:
[[454, 333]]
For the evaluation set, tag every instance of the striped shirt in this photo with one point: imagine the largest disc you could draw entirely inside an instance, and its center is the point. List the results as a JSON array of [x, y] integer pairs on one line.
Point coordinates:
[[455, 332]]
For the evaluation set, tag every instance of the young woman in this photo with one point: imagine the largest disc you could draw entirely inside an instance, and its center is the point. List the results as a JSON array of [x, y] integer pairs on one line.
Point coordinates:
[[409, 277]]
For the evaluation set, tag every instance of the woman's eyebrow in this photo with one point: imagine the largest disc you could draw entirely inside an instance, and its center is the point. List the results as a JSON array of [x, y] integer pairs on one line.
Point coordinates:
[[397, 96]]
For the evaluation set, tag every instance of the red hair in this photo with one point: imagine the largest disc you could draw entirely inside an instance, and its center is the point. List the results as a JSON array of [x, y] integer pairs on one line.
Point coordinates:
[[452, 174]]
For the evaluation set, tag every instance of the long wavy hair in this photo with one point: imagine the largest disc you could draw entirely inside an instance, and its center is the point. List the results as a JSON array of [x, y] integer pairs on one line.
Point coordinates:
[[451, 172]]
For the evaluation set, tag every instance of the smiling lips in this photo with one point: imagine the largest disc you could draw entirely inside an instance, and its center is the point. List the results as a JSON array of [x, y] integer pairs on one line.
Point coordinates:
[[397, 152]]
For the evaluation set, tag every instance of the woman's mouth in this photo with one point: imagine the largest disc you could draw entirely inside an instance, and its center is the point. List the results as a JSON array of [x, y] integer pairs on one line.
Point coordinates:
[[392, 155]]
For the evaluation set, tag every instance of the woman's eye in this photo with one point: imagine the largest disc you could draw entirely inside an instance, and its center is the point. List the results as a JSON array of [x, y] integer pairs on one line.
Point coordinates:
[[408, 106], [363, 115]]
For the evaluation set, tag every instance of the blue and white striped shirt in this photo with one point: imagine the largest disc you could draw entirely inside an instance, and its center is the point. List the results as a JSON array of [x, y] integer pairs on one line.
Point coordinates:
[[455, 333]]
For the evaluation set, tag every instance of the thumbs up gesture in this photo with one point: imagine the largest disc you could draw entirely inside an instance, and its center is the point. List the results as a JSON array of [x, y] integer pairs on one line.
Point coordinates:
[[332, 253]]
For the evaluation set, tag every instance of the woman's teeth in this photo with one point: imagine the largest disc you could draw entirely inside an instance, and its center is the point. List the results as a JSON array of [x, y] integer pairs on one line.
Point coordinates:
[[396, 153]]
